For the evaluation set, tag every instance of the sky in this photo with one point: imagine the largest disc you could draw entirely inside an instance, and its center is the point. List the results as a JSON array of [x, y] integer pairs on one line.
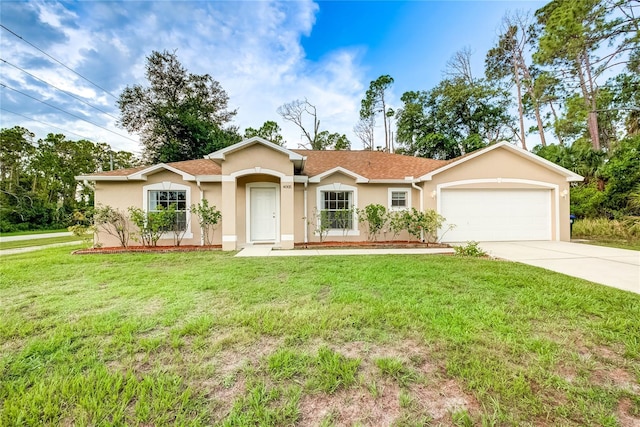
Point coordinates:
[[263, 53]]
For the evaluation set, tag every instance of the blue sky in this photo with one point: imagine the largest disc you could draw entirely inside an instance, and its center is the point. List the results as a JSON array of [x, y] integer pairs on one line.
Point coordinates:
[[263, 53]]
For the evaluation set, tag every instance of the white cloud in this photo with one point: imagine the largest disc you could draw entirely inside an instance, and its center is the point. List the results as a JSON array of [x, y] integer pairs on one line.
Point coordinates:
[[252, 48]]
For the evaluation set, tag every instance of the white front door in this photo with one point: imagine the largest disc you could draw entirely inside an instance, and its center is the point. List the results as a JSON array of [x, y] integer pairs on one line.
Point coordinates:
[[263, 214]]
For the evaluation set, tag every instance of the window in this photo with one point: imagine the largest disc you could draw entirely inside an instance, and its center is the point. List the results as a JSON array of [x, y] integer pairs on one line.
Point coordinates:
[[337, 205], [162, 199], [399, 199], [334, 199]]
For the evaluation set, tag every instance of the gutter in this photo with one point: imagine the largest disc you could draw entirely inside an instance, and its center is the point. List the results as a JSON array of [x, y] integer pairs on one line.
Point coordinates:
[[413, 185], [306, 215]]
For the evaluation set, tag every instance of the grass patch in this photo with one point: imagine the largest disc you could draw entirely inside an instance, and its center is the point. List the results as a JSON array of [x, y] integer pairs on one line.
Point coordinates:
[[38, 242], [633, 245], [25, 233], [204, 338]]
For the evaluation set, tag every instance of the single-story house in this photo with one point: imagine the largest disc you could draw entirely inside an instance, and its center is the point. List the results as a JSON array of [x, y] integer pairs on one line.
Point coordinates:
[[271, 194]]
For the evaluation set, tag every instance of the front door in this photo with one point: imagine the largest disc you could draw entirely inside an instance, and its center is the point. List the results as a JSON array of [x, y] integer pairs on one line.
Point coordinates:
[[263, 214]]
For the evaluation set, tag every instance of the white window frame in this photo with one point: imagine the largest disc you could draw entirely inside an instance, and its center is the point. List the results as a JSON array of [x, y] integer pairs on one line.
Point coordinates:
[[405, 190], [170, 186], [354, 203]]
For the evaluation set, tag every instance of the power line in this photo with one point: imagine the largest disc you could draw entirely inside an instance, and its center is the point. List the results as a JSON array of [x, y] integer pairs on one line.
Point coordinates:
[[70, 69], [66, 112], [48, 124], [61, 90]]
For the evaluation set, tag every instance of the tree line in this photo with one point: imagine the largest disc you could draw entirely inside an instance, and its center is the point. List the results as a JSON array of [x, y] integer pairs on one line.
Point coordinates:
[[37, 178]]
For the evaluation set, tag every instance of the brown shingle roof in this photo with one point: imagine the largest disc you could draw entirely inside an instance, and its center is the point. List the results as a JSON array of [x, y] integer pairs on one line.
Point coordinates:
[[369, 164]]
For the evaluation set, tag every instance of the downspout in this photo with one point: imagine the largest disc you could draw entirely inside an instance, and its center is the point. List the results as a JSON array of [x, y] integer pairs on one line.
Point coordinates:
[[413, 184], [201, 199], [306, 215]]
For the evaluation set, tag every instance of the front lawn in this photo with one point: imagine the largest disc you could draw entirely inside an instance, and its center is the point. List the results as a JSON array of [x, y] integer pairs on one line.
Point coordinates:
[[203, 338], [14, 244]]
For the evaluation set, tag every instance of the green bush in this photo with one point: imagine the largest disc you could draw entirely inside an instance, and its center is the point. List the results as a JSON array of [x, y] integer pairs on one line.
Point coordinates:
[[627, 228], [376, 217], [471, 249]]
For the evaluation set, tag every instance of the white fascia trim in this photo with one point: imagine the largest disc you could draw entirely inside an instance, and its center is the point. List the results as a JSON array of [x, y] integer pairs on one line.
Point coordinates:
[[359, 178], [142, 175], [209, 178], [256, 170], [300, 179], [389, 181], [100, 178], [221, 154], [554, 187], [571, 176]]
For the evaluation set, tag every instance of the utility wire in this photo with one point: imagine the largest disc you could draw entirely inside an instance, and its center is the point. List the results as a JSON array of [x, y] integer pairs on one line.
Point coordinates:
[[66, 112], [48, 124], [55, 87], [56, 60]]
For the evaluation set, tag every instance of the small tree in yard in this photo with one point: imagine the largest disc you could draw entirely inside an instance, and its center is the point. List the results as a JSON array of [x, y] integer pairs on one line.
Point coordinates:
[[397, 223], [113, 222], [343, 219], [422, 225], [151, 225], [209, 217], [321, 223], [376, 217], [178, 227]]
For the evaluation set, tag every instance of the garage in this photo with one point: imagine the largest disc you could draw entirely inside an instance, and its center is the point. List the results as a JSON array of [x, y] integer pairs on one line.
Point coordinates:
[[496, 215]]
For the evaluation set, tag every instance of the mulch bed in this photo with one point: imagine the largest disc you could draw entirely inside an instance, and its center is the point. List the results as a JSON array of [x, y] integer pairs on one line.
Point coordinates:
[[310, 245], [395, 244], [143, 249]]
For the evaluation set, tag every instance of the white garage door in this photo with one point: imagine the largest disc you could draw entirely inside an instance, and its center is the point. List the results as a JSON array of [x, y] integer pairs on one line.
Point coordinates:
[[496, 215]]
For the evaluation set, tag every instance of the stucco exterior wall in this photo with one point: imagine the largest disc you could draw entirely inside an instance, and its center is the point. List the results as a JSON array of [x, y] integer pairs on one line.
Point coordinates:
[[366, 194], [498, 169], [124, 194]]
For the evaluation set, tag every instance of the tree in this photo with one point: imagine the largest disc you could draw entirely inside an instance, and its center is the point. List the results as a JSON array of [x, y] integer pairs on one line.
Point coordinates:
[[507, 60], [570, 37], [300, 112], [180, 115], [270, 131], [364, 130], [16, 147], [375, 103], [454, 118]]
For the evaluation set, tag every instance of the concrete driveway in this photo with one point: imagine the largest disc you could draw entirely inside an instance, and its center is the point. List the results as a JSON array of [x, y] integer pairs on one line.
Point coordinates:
[[618, 268]]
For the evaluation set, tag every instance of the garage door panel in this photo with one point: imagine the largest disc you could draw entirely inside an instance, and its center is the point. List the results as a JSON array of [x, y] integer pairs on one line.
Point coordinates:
[[496, 215]]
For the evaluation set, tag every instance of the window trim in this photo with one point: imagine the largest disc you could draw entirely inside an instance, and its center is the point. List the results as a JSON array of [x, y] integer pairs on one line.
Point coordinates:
[[354, 201], [392, 190], [169, 186]]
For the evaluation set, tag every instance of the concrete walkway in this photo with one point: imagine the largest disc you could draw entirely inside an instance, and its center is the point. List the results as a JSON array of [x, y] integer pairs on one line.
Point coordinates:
[[262, 251], [34, 236], [618, 268]]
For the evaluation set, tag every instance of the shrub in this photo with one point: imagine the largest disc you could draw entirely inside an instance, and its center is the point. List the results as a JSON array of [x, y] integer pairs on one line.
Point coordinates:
[[471, 249], [151, 225], [208, 218], [375, 216], [114, 222], [627, 228]]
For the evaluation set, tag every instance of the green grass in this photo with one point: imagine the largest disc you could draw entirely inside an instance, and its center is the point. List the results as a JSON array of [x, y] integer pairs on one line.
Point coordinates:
[[204, 338], [25, 233], [38, 242], [621, 244]]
